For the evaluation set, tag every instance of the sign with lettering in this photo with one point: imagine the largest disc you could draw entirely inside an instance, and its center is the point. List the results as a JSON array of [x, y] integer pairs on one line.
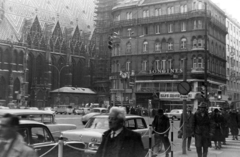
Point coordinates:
[[175, 96], [166, 71]]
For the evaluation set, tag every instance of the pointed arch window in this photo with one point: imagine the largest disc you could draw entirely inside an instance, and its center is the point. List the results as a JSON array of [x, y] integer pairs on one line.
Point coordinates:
[[183, 43], [157, 46], [194, 63], [145, 46], [129, 47], [195, 43], [200, 42], [170, 44]]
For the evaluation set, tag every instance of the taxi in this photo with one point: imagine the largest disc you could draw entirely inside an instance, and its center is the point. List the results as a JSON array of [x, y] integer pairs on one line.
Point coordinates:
[[46, 117], [92, 133], [38, 136]]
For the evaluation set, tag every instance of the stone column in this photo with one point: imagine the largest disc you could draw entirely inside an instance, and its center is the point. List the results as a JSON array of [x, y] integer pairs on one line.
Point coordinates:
[[69, 70], [10, 84]]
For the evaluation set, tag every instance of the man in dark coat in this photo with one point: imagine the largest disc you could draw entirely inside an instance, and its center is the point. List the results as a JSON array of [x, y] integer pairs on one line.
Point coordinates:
[[118, 141], [203, 128], [161, 126], [233, 124], [188, 125], [225, 115]]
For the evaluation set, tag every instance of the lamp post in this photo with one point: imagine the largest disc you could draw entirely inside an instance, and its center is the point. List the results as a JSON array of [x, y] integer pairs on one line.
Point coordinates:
[[59, 72]]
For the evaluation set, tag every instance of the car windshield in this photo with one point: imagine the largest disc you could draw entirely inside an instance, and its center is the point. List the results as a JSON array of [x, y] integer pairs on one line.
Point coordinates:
[[98, 123], [44, 118]]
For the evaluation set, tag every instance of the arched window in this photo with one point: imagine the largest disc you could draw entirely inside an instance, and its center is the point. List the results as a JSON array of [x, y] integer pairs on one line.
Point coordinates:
[[145, 46], [200, 26], [185, 8], [157, 46], [194, 43], [170, 44], [183, 43], [129, 47], [194, 5], [200, 43], [194, 24], [200, 5], [182, 9]]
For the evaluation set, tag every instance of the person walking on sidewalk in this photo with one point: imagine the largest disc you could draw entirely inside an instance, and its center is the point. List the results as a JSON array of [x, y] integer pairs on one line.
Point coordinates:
[[203, 129], [225, 115], [218, 135], [188, 125], [233, 124], [161, 124]]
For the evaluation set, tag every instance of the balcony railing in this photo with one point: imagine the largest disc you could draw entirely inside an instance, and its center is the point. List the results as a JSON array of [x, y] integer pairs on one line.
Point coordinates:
[[165, 18]]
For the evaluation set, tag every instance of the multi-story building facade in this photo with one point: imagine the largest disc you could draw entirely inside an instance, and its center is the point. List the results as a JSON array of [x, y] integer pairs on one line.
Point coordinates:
[[42, 48], [233, 58], [101, 62], [153, 39]]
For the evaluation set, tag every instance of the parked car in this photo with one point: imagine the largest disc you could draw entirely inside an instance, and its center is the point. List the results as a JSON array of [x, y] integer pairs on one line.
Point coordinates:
[[91, 134], [212, 108], [38, 136], [33, 108], [64, 109], [46, 117], [4, 107], [175, 114], [49, 109], [79, 111], [93, 112]]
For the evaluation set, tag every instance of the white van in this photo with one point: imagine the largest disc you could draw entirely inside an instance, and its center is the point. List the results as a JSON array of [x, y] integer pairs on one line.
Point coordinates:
[[64, 109]]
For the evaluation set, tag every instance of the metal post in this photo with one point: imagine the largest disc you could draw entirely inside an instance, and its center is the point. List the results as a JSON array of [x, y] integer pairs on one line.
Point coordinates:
[[150, 141], [184, 151], [60, 147], [206, 54], [172, 137]]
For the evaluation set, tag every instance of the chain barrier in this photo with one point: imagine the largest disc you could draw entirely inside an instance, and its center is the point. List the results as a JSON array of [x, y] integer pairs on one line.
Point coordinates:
[[161, 133], [65, 144], [49, 150], [178, 128]]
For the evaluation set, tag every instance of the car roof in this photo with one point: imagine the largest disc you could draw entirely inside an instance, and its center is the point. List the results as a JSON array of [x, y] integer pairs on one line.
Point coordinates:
[[29, 122], [23, 111], [127, 116], [99, 108]]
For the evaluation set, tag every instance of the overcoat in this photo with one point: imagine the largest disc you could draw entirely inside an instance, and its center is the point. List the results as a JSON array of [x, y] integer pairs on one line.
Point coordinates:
[[188, 124], [225, 126], [218, 121], [20, 149], [161, 124], [130, 145], [233, 123]]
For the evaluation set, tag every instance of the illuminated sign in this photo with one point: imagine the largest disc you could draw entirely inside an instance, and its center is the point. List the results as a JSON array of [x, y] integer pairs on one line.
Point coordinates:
[[175, 95]]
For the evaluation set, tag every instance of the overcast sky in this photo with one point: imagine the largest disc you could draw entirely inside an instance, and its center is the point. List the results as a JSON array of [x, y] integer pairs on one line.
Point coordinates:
[[232, 7]]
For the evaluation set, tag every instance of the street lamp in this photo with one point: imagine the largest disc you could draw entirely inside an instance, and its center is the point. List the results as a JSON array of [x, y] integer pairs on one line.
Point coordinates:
[[59, 72]]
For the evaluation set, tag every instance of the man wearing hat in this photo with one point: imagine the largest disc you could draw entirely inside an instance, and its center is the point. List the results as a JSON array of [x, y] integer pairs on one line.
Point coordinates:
[[203, 128]]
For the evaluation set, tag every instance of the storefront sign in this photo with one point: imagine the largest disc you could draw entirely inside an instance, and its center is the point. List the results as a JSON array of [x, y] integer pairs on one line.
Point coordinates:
[[167, 71], [174, 95]]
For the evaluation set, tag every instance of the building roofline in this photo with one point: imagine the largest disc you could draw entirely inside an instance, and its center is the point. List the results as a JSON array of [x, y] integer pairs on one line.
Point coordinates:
[[217, 7], [230, 18]]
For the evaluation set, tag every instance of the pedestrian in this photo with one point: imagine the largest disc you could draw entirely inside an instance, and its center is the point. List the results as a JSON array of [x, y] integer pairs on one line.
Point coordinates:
[[203, 129], [233, 124], [218, 135], [225, 115], [188, 126], [119, 141], [161, 127], [12, 143]]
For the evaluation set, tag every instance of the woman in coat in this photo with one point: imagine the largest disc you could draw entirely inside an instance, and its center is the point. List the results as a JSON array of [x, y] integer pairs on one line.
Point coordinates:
[[188, 125], [218, 135], [233, 124]]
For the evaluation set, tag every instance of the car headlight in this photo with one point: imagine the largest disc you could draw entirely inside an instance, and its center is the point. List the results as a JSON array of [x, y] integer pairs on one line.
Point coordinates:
[[93, 146]]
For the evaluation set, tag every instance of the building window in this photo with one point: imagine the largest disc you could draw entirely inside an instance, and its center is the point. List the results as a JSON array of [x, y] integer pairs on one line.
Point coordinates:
[[200, 43], [156, 64], [170, 28], [163, 65], [170, 10], [169, 64], [145, 30], [129, 15], [128, 65], [183, 9], [194, 43], [200, 26], [157, 29], [194, 63], [183, 26], [200, 62], [145, 46], [145, 13], [129, 47], [158, 12], [118, 67], [183, 43], [129, 32], [194, 24], [200, 5], [144, 66], [117, 17], [157, 46], [170, 45]]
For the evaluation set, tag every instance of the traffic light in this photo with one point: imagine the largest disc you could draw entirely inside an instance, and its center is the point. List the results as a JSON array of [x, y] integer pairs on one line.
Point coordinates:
[[219, 94], [110, 42]]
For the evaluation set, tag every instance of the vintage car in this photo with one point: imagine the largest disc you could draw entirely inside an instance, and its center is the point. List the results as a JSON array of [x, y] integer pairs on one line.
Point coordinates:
[[38, 136], [175, 114], [46, 117], [93, 112], [91, 134]]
